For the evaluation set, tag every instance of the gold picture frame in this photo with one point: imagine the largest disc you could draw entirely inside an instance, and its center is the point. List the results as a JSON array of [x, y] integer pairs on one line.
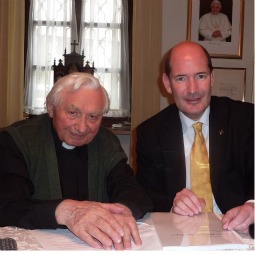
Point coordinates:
[[231, 47], [229, 82]]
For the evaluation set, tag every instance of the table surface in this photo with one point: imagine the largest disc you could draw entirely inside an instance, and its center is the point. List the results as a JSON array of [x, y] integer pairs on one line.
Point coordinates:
[[48, 239]]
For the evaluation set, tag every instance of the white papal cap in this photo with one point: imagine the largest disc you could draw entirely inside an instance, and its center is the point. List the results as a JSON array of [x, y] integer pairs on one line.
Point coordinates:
[[215, 1]]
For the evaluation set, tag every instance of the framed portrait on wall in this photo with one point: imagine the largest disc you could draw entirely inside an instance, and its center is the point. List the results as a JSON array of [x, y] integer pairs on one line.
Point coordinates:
[[217, 25]]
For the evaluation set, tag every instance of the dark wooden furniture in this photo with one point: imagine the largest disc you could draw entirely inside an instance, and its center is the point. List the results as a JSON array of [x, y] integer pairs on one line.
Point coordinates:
[[73, 62]]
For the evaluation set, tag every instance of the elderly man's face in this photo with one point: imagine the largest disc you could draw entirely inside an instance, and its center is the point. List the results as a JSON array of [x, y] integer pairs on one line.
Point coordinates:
[[77, 119], [215, 8]]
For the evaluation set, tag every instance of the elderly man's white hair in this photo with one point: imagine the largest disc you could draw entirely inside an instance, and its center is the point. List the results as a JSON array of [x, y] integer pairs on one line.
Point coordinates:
[[216, 1]]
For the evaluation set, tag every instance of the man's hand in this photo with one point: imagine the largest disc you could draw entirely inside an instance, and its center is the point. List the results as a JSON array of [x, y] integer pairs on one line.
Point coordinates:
[[130, 228], [187, 203], [239, 218], [100, 225]]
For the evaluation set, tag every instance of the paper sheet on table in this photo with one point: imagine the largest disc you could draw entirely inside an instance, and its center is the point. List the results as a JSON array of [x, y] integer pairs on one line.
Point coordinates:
[[200, 232], [63, 239]]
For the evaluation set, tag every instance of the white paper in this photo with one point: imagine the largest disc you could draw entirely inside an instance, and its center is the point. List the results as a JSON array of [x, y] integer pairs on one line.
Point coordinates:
[[63, 239]]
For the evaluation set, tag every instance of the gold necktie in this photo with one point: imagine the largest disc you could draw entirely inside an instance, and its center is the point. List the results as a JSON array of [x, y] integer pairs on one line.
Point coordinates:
[[200, 168]]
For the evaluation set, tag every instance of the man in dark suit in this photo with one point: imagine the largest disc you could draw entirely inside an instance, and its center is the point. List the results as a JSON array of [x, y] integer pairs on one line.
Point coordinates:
[[164, 143]]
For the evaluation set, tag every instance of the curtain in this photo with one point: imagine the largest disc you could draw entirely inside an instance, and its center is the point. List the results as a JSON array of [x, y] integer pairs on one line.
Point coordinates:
[[104, 40], [147, 40], [125, 92], [146, 58], [12, 22], [52, 28]]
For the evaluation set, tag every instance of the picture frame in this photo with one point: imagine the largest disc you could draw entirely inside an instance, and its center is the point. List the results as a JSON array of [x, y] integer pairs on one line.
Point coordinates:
[[229, 82], [221, 47]]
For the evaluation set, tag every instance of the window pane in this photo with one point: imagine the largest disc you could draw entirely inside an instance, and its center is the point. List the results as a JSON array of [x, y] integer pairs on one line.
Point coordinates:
[[103, 11], [101, 42], [101, 45], [52, 10], [49, 35], [49, 43]]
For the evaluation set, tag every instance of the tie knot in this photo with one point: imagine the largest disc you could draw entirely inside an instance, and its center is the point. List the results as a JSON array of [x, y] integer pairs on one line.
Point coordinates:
[[197, 127]]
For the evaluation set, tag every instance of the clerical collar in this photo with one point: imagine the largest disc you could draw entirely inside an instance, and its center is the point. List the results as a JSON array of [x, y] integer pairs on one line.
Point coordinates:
[[67, 146], [58, 142]]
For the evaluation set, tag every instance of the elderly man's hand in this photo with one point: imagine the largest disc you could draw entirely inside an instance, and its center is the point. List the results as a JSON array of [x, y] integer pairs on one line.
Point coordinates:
[[101, 225], [130, 228]]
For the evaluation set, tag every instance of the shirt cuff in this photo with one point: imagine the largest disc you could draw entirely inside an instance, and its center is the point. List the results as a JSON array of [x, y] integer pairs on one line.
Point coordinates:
[[250, 201]]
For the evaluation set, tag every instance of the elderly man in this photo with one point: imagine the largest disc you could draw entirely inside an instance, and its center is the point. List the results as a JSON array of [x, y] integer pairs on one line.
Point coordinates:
[[215, 26], [63, 169]]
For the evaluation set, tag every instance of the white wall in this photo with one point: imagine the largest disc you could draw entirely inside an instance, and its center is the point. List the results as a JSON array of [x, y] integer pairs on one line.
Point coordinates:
[[174, 30]]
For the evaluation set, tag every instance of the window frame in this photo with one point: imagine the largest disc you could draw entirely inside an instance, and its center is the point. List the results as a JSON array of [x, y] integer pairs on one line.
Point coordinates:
[[107, 121]]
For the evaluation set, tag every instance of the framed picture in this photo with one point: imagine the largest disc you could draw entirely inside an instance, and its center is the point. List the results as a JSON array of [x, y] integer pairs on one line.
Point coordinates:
[[229, 82], [217, 25]]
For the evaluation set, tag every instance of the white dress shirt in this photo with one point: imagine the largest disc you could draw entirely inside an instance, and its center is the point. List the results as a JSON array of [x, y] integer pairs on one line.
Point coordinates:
[[188, 138]]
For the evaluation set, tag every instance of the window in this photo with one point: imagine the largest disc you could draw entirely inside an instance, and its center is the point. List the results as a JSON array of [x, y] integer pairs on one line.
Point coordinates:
[[102, 35]]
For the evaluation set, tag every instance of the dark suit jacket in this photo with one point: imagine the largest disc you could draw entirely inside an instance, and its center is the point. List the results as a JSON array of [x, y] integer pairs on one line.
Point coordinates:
[[161, 160]]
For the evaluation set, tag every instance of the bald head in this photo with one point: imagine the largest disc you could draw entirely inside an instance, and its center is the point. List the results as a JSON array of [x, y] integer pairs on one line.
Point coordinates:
[[186, 48]]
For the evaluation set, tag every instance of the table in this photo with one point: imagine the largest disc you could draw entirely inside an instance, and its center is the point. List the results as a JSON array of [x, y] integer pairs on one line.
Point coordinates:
[[63, 239]]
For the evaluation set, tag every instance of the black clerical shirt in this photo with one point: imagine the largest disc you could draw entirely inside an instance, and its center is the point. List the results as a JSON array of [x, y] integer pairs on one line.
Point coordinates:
[[73, 170], [17, 208]]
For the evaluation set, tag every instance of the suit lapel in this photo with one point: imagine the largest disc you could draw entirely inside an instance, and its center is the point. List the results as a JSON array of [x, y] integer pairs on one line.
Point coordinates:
[[217, 138], [171, 139]]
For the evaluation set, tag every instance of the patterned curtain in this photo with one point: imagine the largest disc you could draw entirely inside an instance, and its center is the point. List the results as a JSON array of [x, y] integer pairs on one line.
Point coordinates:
[[104, 39], [52, 27]]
